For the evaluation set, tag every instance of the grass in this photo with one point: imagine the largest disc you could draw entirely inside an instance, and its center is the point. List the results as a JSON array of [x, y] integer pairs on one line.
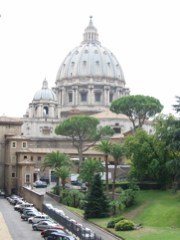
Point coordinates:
[[157, 211]]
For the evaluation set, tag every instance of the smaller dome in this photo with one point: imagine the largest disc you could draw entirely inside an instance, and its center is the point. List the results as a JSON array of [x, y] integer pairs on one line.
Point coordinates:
[[45, 93]]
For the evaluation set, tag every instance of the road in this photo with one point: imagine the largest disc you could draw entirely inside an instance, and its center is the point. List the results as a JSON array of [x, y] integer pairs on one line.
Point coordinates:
[[19, 230]]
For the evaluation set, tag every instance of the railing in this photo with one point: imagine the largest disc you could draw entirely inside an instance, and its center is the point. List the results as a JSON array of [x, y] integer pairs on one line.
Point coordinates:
[[72, 227]]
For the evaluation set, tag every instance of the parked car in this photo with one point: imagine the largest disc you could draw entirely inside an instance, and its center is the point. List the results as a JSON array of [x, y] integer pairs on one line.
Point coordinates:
[[37, 218], [59, 236], [59, 211], [87, 232], [27, 215], [45, 233], [17, 201], [42, 225], [13, 199], [45, 179], [29, 209], [2, 193], [40, 184], [20, 207]]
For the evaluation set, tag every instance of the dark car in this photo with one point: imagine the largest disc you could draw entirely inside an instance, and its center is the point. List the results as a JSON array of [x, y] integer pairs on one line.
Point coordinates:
[[40, 184], [59, 236], [45, 179], [47, 232]]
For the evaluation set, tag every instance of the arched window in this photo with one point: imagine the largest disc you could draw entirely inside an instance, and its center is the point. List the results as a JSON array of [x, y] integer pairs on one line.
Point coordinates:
[[45, 111]]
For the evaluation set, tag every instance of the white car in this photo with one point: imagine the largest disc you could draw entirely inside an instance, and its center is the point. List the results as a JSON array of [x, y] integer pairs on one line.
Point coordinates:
[[42, 225], [37, 218], [20, 207], [59, 211], [87, 233]]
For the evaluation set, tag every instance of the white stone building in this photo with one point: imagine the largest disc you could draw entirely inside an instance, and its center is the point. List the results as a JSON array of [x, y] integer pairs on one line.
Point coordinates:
[[88, 80]]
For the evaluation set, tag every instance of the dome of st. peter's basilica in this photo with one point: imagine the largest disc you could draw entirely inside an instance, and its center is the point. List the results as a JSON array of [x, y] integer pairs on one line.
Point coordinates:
[[90, 77]]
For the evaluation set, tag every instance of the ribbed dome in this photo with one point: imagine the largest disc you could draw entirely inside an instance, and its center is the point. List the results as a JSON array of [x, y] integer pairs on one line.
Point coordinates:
[[90, 60], [45, 93]]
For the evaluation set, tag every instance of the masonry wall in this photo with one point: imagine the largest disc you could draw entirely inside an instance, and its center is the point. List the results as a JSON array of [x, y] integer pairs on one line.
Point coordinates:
[[32, 197]]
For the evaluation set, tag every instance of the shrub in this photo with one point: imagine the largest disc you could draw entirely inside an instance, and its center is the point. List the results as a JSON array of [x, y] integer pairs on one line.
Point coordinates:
[[72, 197], [111, 223], [127, 197], [124, 225]]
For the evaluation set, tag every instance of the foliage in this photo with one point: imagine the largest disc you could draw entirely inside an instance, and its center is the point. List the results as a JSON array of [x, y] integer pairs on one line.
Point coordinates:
[[116, 207], [168, 134], [124, 225], [89, 168], [137, 107], [140, 149], [112, 222], [60, 163], [127, 197], [72, 197], [117, 152], [176, 106], [56, 190], [97, 204], [105, 147], [83, 131]]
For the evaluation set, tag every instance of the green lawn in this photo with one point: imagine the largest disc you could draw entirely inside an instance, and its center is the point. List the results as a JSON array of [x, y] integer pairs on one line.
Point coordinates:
[[157, 211]]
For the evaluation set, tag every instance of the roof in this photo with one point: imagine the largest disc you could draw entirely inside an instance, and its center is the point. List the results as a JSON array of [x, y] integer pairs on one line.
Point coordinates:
[[45, 93], [107, 114], [63, 150], [90, 60]]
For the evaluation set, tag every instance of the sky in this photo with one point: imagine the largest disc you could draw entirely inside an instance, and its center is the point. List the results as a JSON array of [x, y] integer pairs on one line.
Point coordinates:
[[36, 36]]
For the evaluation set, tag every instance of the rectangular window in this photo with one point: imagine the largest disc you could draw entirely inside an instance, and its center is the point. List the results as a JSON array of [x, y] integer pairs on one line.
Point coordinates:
[[24, 144], [14, 144], [111, 97], [84, 97], [70, 97], [13, 159], [27, 178], [13, 174], [98, 97]]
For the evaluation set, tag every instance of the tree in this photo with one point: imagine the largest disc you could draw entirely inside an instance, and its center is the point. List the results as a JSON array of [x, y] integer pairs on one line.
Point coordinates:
[[156, 157], [177, 105], [89, 168], [168, 132], [105, 147], [60, 162], [137, 107], [97, 204], [63, 173], [117, 152], [83, 131], [145, 153]]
